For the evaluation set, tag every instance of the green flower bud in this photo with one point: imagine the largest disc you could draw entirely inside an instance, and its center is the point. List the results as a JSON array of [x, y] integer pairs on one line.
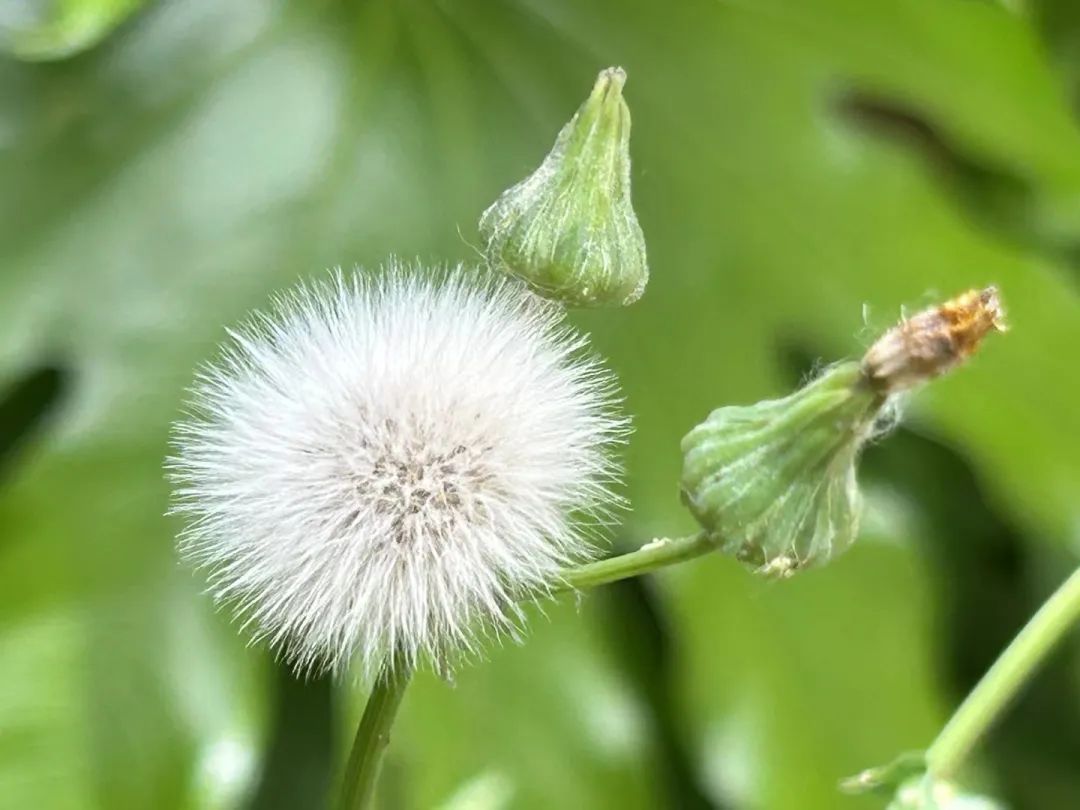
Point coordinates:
[[922, 793], [911, 787], [774, 483], [569, 229]]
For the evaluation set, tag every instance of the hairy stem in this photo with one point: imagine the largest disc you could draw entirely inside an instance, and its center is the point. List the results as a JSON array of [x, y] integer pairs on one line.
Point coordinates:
[[372, 736], [657, 554], [1013, 668]]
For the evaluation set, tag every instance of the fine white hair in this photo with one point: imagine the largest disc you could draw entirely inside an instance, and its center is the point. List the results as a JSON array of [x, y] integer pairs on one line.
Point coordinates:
[[384, 464]]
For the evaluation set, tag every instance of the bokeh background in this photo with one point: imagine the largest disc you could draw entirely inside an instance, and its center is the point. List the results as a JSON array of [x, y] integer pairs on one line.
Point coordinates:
[[802, 171]]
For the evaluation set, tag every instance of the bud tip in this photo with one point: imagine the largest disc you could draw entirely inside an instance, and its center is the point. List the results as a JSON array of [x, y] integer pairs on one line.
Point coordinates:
[[933, 341]]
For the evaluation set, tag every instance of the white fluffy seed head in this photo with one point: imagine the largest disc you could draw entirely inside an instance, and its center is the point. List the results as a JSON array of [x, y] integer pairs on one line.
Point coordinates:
[[383, 465]]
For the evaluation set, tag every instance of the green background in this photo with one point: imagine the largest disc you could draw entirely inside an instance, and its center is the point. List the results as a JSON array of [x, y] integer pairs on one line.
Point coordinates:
[[802, 171]]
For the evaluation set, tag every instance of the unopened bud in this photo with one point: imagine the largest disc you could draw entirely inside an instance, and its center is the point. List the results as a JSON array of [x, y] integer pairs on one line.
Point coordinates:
[[907, 781], [924, 793], [569, 229], [774, 482]]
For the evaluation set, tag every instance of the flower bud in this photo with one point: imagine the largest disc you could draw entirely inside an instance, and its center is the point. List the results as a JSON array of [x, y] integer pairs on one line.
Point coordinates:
[[923, 793], [569, 229], [906, 779], [774, 482]]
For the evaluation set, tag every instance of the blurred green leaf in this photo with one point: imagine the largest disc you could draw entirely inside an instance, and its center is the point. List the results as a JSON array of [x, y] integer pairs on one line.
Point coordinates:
[[55, 29], [126, 701], [552, 723], [787, 685]]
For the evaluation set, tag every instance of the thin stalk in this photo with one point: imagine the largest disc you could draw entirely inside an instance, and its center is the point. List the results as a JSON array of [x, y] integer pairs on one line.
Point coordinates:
[[373, 733], [372, 736], [657, 554], [1013, 668]]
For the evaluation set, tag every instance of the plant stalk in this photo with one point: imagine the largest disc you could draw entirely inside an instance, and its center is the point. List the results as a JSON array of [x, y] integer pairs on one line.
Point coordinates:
[[373, 735], [657, 554], [1004, 680]]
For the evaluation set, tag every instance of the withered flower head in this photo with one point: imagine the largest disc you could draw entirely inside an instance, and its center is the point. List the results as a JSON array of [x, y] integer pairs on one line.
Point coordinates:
[[934, 341], [774, 483]]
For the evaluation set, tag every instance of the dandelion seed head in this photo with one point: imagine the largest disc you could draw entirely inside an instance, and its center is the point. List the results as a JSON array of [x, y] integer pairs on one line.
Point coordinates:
[[382, 465]]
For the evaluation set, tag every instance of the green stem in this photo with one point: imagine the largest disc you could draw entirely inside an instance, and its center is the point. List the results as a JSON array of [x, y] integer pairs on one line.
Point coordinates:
[[657, 554], [372, 736], [373, 733], [1004, 679]]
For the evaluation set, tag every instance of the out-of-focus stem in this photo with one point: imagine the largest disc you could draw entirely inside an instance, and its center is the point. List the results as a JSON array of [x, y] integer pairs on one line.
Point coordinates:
[[1004, 680]]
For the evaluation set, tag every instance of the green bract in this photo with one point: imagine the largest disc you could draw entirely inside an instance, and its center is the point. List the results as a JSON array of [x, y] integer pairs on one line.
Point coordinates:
[[774, 483], [910, 787], [569, 229]]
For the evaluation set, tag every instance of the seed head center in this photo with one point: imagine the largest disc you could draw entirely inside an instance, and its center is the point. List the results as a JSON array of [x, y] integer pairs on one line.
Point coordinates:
[[423, 489]]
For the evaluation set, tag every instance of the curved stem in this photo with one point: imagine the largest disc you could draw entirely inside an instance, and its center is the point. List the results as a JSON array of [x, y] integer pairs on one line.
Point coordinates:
[[372, 736], [1005, 679], [657, 554]]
